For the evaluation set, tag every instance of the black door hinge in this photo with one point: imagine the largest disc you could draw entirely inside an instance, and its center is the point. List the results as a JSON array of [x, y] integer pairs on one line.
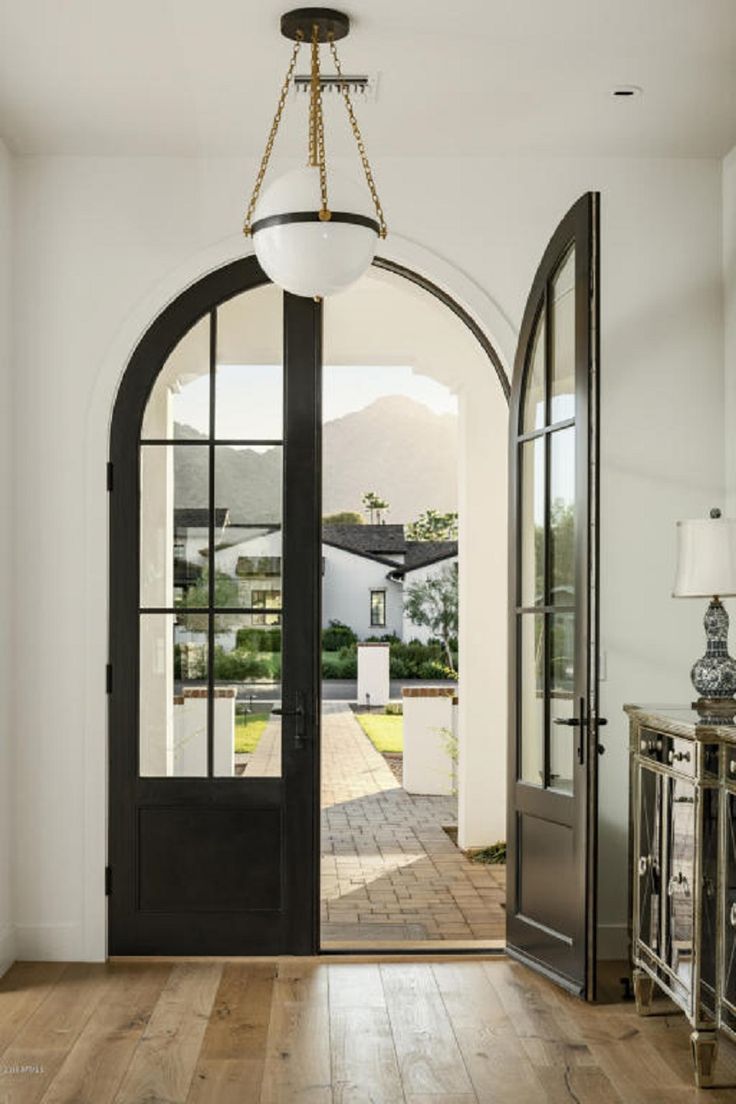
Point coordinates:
[[108, 881], [108, 679], [109, 475]]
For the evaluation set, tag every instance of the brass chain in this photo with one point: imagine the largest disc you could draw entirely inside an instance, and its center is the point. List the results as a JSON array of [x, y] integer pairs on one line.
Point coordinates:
[[317, 156], [248, 223], [359, 140]]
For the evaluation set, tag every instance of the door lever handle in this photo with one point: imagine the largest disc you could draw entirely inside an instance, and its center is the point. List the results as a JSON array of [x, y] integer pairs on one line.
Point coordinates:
[[573, 722], [300, 713]]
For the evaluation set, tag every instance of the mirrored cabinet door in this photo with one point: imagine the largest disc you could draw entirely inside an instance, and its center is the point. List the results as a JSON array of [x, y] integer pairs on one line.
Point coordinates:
[[729, 903], [649, 857], [679, 910]]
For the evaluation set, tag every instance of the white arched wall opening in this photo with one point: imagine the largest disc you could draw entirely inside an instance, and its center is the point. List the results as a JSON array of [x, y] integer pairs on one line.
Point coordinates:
[[483, 709]]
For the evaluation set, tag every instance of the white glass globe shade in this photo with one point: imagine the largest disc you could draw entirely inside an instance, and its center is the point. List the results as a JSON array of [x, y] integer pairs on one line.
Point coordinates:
[[314, 258]]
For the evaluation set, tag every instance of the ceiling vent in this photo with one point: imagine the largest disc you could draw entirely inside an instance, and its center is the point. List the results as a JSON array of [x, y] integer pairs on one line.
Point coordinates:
[[363, 88]]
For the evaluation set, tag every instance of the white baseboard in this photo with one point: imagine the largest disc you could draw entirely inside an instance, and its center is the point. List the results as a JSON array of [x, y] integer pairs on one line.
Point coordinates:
[[613, 941], [7, 948], [49, 942]]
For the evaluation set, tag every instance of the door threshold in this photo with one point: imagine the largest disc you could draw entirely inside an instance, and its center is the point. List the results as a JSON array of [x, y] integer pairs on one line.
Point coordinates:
[[414, 946], [410, 949]]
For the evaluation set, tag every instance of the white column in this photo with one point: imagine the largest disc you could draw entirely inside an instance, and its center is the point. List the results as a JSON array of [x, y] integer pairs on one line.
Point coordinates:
[[373, 674], [482, 688], [429, 765]]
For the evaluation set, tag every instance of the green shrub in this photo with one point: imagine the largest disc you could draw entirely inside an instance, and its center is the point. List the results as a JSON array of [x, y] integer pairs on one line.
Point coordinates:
[[394, 709], [337, 666], [337, 636], [239, 665], [258, 640]]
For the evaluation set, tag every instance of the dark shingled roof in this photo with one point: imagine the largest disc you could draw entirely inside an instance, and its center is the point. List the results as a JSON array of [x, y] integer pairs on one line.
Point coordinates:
[[198, 517], [382, 542]]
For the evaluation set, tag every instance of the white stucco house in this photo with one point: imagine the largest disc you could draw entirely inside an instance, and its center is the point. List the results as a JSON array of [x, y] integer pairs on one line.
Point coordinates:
[[365, 569]]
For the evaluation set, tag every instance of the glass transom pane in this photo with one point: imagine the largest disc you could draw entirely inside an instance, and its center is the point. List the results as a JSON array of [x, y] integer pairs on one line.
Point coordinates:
[[534, 393], [179, 403], [249, 378], [562, 345]]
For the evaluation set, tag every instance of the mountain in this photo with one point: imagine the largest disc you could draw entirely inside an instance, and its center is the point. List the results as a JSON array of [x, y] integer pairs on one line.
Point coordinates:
[[397, 447]]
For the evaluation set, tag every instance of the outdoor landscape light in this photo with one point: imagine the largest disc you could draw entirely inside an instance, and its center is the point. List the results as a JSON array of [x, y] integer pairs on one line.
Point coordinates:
[[313, 236]]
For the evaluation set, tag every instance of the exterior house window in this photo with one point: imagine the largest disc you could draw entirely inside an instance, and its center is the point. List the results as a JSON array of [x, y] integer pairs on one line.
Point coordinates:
[[265, 600], [378, 608]]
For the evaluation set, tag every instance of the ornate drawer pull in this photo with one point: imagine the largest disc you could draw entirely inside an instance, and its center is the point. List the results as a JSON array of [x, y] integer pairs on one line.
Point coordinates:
[[645, 861], [678, 756], [732, 916], [677, 879]]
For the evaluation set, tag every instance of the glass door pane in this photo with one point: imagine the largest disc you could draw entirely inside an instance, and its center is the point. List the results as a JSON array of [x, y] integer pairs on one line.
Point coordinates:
[[211, 542], [562, 344]]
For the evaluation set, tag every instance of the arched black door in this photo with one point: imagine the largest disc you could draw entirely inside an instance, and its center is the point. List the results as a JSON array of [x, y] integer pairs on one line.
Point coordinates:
[[553, 656], [215, 541]]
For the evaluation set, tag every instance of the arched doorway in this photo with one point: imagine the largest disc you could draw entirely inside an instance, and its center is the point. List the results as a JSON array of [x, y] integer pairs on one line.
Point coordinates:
[[203, 860]]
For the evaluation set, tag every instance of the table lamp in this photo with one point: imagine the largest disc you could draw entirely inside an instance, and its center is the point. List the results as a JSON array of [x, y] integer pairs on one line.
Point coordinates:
[[706, 568]]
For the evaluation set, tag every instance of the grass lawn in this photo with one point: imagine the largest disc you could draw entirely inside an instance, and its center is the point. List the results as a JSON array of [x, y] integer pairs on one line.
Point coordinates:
[[248, 730], [385, 731]]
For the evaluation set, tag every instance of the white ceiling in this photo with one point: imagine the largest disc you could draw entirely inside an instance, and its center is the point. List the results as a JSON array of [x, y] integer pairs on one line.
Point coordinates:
[[194, 77]]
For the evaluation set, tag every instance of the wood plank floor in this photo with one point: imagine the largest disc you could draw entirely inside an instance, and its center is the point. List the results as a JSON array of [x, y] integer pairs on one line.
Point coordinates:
[[331, 1032]]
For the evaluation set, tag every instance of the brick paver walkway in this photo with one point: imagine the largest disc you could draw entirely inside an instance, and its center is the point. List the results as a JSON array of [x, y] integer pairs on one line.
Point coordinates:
[[389, 870]]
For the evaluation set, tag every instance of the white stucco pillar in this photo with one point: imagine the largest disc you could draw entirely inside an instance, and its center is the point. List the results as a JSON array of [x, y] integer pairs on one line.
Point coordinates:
[[428, 767], [482, 688], [374, 685]]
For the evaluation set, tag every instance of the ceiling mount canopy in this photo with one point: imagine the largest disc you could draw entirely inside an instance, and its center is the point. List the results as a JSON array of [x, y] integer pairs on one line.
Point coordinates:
[[312, 236], [298, 25]]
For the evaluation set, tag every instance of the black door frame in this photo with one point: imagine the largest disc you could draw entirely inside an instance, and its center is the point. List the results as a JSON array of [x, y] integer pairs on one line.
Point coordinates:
[[194, 303], [581, 226], [288, 921]]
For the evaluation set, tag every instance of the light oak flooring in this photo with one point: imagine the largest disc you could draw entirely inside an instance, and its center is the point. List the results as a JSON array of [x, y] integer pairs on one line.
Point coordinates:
[[330, 1032]]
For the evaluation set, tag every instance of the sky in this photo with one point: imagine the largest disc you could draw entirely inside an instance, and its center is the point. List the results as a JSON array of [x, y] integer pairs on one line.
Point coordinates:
[[249, 396]]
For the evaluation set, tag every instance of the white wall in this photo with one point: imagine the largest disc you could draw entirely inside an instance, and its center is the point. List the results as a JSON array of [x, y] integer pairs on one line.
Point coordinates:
[[7, 935], [98, 238], [346, 593], [729, 325]]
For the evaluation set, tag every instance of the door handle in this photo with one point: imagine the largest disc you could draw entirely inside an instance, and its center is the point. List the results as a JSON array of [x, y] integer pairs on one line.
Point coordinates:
[[576, 722], [300, 728]]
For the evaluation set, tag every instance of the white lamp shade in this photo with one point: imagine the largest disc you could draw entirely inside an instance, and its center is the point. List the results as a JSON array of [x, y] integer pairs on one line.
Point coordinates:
[[314, 258], [706, 558]]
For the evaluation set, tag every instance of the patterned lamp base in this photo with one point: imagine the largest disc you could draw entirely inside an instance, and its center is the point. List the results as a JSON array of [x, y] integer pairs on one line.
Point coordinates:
[[714, 675]]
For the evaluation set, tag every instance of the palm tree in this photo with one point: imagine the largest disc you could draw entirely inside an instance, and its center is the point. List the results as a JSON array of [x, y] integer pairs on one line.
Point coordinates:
[[374, 506]]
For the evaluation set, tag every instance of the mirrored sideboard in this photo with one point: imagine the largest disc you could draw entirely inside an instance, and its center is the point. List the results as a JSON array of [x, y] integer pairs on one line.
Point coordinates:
[[683, 869]]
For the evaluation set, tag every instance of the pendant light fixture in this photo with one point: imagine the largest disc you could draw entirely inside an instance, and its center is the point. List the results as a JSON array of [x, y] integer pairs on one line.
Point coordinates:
[[314, 235]]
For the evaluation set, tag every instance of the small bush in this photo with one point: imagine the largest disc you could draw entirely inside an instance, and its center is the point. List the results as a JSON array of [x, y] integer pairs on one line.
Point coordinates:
[[394, 709], [493, 855], [337, 666], [337, 636], [258, 640], [239, 665]]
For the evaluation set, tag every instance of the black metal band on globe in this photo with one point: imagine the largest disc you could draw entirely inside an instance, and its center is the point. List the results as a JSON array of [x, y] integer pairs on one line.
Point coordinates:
[[314, 216]]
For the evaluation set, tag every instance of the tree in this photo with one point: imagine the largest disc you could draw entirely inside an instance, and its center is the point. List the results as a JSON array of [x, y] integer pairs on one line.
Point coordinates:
[[198, 596], [343, 517], [433, 603], [433, 526], [374, 506]]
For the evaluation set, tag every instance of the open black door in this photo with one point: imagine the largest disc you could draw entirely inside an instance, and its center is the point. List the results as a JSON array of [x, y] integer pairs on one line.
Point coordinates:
[[553, 664], [215, 575]]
